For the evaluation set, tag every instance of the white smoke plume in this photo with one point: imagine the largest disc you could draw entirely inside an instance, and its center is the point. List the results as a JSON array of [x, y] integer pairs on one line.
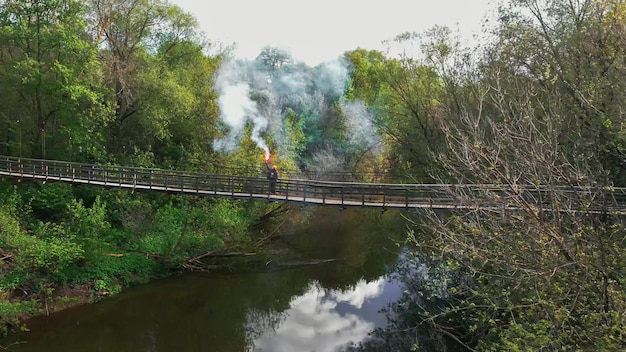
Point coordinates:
[[237, 109], [330, 77], [360, 123], [293, 86]]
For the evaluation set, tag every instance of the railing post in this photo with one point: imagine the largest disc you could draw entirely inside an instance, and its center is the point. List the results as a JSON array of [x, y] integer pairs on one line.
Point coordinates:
[[406, 198], [384, 197], [362, 197], [342, 199]]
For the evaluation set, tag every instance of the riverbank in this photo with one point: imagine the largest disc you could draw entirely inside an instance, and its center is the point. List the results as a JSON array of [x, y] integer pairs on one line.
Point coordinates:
[[20, 304], [300, 241], [64, 245], [319, 260]]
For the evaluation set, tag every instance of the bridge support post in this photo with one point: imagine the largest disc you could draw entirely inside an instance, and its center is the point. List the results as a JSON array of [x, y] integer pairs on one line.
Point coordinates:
[[384, 198], [342, 196]]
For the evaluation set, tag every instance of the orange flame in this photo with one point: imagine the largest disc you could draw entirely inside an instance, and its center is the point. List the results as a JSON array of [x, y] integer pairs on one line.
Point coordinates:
[[267, 156]]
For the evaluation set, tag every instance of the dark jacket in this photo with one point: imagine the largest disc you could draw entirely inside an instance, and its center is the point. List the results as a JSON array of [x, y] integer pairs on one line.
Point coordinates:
[[272, 174]]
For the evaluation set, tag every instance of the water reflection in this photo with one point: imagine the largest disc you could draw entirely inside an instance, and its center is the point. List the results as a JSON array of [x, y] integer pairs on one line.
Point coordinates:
[[238, 313], [329, 320]]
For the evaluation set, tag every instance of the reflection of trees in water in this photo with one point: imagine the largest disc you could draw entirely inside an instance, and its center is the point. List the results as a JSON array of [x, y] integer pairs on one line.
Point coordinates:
[[268, 300], [430, 290], [363, 242], [259, 322]]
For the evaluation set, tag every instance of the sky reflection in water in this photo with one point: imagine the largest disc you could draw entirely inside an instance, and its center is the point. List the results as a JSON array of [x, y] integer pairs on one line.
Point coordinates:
[[329, 320]]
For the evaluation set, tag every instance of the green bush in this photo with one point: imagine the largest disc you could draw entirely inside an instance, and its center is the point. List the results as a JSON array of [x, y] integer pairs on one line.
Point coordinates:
[[45, 252], [126, 269], [48, 201], [10, 314], [46, 256]]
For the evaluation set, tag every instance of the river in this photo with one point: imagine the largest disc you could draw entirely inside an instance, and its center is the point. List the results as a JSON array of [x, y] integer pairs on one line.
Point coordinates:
[[325, 295]]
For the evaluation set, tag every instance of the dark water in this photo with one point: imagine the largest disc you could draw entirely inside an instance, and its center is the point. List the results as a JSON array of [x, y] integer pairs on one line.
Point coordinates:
[[282, 303]]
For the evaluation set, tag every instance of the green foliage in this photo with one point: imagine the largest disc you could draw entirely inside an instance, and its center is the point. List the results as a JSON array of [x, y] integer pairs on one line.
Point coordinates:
[[187, 230], [367, 75], [46, 256], [406, 96], [49, 201], [10, 313], [168, 225], [537, 107], [130, 213], [53, 85], [110, 271], [45, 251], [9, 222], [87, 223]]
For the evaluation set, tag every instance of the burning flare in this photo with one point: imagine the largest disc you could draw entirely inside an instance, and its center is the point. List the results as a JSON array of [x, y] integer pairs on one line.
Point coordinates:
[[267, 156]]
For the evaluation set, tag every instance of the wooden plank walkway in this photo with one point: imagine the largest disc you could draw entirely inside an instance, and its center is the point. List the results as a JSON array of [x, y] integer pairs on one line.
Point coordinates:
[[342, 194]]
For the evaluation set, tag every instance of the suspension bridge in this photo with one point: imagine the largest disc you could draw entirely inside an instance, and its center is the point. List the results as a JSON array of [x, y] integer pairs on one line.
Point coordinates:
[[332, 193]]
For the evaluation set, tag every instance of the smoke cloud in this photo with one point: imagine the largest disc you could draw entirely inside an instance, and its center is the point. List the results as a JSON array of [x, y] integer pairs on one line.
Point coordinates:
[[237, 109], [263, 92], [360, 123]]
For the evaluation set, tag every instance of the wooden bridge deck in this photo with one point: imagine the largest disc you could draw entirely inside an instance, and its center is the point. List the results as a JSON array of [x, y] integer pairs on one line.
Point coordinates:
[[343, 194]]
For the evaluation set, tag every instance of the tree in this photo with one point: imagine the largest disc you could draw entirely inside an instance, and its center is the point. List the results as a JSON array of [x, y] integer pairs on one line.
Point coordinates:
[[160, 78], [51, 80], [273, 60], [575, 49], [532, 121], [405, 95], [178, 112]]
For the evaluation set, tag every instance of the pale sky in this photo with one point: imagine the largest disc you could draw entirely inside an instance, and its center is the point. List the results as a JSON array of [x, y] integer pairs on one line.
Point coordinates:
[[321, 30]]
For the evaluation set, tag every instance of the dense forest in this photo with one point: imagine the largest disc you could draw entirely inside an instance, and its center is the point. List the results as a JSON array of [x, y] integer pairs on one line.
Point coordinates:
[[540, 103]]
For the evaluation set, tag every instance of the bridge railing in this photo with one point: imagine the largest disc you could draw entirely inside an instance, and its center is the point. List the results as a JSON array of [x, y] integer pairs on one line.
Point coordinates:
[[310, 191], [298, 190]]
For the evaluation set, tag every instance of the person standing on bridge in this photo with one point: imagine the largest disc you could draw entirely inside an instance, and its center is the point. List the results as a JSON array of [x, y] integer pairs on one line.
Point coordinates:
[[272, 175]]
